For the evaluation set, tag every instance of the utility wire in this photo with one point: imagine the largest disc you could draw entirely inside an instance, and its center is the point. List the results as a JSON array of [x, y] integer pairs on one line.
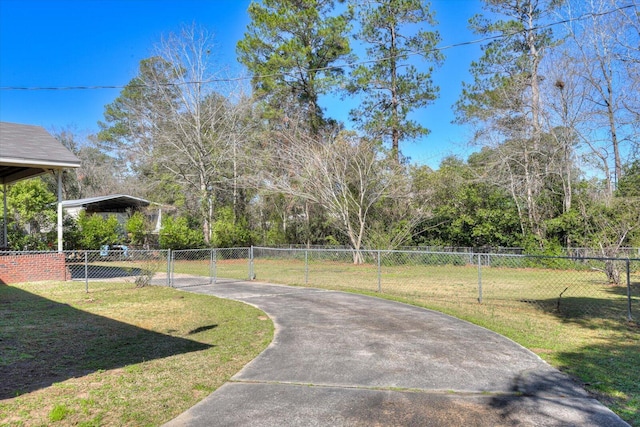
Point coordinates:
[[333, 67]]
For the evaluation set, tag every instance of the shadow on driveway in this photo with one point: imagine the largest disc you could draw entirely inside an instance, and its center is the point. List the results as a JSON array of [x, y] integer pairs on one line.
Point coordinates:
[[78, 271]]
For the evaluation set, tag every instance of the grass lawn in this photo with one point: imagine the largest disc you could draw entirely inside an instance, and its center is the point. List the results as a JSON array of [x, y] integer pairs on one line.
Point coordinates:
[[118, 355], [178, 347], [572, 319]]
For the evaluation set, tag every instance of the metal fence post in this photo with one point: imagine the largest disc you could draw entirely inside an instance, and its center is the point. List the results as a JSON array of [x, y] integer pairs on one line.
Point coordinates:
[[211, 266], [379, 272], [480, 278], [215, 266], [169, 269], [629, 318], [251, 275], [306, 267], [86, 272]]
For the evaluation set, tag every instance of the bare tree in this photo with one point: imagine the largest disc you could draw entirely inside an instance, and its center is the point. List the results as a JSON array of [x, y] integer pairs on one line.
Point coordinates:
[[99, 173], [604, 46], [176, 119], [347, 176], [610, 228], [564, 113]]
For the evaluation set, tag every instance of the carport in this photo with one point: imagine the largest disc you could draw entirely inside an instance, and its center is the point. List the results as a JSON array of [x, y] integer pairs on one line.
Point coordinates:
[[28, 151]]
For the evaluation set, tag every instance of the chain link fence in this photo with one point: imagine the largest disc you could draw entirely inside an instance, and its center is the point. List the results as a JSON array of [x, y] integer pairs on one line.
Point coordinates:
[[140, 267], [565, 286], [192, 267], [177, 268]]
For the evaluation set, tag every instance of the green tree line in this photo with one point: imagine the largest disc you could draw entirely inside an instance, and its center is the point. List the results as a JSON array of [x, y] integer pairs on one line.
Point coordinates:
[[551, 107]]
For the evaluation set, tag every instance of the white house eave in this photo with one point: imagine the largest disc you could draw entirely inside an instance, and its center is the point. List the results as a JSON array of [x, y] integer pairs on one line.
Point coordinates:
[[33, 163]]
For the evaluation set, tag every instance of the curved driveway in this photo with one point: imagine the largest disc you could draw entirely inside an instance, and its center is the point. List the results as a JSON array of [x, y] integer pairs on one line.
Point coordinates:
[[340, 359]]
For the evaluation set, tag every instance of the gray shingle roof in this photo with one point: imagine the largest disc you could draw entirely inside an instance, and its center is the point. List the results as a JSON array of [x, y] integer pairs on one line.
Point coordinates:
[[27, 151]]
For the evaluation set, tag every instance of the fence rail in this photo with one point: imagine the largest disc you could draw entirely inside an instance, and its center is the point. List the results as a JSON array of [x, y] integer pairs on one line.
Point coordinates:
[[624, 252], [567, 286]]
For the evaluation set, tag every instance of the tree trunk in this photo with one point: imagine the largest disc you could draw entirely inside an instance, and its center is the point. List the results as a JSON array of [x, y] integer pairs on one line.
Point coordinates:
[[613, 274], [395, 133]]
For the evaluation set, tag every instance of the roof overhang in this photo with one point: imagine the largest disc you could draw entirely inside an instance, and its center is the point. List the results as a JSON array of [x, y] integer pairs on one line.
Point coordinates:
[[13, 171], [28, 151], [113, 203]]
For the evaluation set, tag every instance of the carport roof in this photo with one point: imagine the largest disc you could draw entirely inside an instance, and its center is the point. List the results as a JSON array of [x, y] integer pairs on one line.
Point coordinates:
[[113, 203], [27, 151]]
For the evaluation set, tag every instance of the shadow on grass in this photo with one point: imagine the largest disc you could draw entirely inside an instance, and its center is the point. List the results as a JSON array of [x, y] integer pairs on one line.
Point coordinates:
[[593, 312], [610, 369], [43, 342]]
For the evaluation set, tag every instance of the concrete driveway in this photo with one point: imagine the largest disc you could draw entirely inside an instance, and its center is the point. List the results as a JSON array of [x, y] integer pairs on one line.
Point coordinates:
[[339, 359]]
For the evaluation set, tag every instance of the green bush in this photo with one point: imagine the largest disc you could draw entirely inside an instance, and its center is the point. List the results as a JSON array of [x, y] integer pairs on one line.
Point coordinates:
[[136, 228], [98, 231], [71, 232], [228, 231], [31, 210], [177, 234]]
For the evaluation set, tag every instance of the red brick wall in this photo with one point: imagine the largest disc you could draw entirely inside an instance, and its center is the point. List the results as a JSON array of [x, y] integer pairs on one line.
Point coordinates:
[[32, 268]]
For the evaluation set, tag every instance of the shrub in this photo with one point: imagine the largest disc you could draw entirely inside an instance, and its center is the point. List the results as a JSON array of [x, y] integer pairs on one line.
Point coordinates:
[[229, 231], [176, 234], [136, 228], [98, 231]]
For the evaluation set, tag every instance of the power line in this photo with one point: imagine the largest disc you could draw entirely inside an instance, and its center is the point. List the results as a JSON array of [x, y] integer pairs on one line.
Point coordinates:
[[333, 67]]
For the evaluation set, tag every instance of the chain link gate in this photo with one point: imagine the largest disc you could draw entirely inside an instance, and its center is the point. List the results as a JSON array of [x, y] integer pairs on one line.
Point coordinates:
[[194, 267]]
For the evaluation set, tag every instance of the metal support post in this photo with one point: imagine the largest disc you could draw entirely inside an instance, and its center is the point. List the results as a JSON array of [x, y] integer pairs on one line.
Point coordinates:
[[480, 278], [211, 261], [86, 272], [215, 266], [379, 272], [169, 269], [629, 318], [59, 211], [5, 241], [251, 273], [306, 267]]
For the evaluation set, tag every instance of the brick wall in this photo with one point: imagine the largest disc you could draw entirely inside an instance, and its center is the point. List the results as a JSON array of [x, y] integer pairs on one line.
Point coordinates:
[[33, 268]]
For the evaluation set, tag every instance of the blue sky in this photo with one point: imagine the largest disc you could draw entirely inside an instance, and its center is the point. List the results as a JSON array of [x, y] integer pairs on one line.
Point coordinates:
[[61, 43]]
